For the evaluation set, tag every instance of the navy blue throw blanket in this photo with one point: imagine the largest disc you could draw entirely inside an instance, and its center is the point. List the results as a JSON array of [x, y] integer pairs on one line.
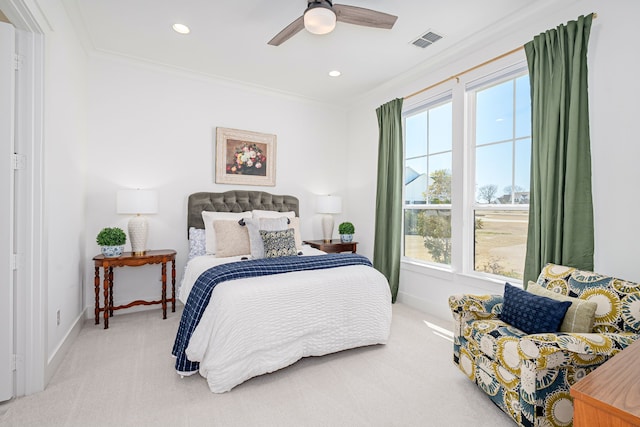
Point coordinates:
[[201, 292]]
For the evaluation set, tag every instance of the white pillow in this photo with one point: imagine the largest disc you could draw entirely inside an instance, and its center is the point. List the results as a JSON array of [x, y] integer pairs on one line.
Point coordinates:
[[295, 224], [272, 214], [254, 225], [210, 232], [232, 239]]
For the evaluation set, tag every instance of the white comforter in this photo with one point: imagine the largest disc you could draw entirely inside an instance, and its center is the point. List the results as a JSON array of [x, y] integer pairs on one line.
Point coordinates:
[[258, 325]]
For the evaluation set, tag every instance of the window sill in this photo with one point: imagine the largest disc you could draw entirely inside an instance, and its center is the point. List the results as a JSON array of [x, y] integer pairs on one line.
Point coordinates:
[[486, 283], [438, 271]]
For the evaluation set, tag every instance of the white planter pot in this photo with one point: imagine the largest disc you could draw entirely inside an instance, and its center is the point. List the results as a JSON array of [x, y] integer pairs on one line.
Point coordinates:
[[112, 251]]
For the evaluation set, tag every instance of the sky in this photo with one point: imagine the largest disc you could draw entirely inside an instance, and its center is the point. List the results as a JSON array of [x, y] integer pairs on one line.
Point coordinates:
[[503, 129]]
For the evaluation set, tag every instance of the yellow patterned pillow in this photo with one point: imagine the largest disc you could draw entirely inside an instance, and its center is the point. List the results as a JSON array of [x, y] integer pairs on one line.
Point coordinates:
[[580, 315]]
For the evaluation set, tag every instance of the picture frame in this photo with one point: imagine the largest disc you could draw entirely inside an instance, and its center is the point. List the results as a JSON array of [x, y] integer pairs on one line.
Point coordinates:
[[245, 157]]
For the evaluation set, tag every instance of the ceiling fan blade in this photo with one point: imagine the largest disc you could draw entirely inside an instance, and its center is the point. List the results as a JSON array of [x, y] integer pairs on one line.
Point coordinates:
[[366, 17], [288, 32]]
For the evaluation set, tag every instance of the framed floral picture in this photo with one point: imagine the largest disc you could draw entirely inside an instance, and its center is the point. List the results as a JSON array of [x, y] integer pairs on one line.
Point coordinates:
[[245, 157]]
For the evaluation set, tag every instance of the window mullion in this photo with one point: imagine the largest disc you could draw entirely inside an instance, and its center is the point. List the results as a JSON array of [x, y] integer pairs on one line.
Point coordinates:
[[513, 144], [470, 181], [428, 156], [458, 181]]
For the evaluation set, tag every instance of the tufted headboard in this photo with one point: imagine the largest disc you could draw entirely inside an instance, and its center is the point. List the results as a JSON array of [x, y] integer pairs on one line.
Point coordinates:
[[236, 201]]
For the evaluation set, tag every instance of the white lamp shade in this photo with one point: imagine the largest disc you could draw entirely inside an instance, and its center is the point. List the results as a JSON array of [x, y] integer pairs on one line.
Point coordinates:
[[329, 204], [319, 20], [137, 202]]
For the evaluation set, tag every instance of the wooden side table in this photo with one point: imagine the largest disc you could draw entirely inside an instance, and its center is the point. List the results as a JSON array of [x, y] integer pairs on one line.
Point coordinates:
[[336, 245], [128, 259], [608, 396]]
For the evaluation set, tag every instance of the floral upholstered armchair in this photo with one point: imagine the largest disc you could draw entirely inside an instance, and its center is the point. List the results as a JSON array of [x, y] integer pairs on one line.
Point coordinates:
[[528, 375]]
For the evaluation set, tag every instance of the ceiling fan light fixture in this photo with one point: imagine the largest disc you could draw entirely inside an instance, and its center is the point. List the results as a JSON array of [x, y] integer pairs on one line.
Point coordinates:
[[181, 28], [319, 18]]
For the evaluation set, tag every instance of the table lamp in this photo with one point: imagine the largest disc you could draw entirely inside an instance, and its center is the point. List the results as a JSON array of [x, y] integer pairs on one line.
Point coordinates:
[[328, 205], [137, 202]]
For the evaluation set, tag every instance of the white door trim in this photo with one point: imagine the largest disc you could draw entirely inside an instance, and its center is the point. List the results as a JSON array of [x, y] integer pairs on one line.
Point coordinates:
[[31, 296], [7, 192]]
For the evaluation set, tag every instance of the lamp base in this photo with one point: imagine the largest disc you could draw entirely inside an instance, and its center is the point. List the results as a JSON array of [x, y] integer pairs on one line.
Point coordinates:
[[138, 234], [327, 228]]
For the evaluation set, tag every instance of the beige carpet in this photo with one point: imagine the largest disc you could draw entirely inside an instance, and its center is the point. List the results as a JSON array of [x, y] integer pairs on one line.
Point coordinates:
[[124, 377]]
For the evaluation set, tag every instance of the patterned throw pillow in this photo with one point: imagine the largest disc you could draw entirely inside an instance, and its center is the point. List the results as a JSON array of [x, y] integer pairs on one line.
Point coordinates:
[[279, 243], [580, 315], [196, 242], [531, 313]]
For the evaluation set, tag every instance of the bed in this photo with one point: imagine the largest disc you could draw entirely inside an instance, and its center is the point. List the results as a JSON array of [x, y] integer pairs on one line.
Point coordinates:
[[263, 322]]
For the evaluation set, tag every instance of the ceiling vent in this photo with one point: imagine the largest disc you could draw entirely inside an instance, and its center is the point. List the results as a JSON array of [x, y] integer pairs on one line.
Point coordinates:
[[427, 39]]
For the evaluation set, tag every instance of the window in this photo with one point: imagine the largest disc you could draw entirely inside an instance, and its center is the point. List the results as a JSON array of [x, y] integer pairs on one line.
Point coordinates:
[[491, 119], [501, 133], [427, 183]]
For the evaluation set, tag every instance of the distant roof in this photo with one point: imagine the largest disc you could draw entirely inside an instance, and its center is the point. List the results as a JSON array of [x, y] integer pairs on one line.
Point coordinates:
[[410, 175]]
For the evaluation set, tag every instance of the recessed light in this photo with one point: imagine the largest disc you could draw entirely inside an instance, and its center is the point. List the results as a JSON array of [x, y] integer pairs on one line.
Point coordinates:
[[334, 73], [181, 28]]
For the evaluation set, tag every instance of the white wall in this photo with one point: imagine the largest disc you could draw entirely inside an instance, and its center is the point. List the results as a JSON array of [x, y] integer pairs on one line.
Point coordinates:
[[65, 121], [612, 65], [115, 123], [152, 127]]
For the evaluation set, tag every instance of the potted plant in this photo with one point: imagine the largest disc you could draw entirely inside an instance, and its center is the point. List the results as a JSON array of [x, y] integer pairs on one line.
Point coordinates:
[[346, 230], [111, 241]]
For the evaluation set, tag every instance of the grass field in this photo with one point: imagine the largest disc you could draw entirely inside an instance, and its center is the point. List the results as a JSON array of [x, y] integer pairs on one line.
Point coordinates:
[[500, 243]]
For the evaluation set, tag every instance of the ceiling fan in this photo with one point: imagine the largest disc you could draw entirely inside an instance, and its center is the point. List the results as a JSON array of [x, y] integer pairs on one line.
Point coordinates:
[[321, 15]]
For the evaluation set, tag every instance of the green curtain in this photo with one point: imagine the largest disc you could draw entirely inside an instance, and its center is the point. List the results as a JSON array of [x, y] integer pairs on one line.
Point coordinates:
[[388, 231], [560, 209]]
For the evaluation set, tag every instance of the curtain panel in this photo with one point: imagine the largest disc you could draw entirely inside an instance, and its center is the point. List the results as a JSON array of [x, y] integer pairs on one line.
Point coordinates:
[[388, 224], [561, 210]]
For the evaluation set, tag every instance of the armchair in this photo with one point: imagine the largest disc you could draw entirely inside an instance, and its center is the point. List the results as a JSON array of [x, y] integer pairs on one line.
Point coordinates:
[[529, 375]]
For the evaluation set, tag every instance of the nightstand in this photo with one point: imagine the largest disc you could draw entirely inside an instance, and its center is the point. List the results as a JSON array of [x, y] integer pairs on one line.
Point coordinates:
[[128, 259], [333, 246]]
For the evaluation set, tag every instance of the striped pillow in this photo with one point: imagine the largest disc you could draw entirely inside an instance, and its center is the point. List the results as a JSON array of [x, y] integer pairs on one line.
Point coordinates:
[[580, 315]]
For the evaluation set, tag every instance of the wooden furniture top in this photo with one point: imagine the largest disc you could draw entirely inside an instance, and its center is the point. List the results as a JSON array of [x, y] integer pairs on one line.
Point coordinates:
[[129, 259], [614, 387], [335, 245]]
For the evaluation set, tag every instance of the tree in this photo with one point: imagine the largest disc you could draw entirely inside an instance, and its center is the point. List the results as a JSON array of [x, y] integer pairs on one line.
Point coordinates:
[[439, 191], [434, 225], [488, 192], [516, 189], [436, 230]]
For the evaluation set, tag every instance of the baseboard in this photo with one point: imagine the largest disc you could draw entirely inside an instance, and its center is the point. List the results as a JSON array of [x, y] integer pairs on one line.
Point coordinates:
[[56, 358], [424, 306]]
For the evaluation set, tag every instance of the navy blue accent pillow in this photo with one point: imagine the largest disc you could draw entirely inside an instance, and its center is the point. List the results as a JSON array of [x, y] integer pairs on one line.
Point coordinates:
[[531, 313]]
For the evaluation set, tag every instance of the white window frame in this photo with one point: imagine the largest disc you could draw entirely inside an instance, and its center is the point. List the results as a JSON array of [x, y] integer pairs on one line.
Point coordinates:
[[463, 167], [432, 102], [471, 89]]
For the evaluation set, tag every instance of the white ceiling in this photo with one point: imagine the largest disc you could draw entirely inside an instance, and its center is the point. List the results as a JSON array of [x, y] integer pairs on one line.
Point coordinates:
[[229, 38]]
